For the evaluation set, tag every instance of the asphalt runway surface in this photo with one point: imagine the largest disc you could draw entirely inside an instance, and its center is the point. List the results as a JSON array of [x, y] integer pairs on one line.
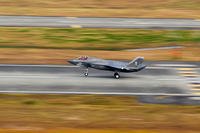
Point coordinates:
[[157, 80], [85, 22]]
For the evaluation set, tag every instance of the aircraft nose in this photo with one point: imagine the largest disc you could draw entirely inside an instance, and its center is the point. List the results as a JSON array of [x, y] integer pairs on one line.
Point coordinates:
[[72, 62]]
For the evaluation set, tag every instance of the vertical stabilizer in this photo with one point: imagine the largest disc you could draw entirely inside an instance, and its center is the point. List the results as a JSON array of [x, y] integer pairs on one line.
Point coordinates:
[[136, 62]]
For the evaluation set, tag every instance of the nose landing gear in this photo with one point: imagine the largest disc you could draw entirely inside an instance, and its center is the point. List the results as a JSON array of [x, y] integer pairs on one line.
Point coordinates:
[[86, 73]]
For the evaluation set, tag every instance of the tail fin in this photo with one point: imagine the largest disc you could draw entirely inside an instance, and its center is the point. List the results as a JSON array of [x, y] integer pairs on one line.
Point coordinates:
[[136, 62]]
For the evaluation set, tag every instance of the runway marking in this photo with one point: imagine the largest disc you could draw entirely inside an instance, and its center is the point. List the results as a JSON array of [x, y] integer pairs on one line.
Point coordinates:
[[196, 93], [196, 90], [175, 65], [195, 98], [186, 69], [171, 79], [187, 72], [195, 85], [75, 26], [70, 17], [102, 93], [154, 67], [191, 74]]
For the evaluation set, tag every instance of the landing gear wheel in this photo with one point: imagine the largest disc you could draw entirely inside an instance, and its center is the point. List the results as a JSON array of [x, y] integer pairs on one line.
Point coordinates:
[[116, 75], [85, 74]]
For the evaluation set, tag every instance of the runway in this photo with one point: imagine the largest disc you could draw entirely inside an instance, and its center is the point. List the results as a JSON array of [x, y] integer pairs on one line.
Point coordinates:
[[159, 79], [85, 22]]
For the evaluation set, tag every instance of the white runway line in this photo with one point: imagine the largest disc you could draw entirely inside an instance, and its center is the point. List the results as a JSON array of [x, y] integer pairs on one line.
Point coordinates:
[[170, 79], [175, 65], [157, 67], [195, 98], [75, 26], [71, 17]]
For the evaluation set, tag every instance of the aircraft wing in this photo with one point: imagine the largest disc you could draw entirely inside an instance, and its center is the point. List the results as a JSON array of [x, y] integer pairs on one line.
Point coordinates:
[[111, 64]]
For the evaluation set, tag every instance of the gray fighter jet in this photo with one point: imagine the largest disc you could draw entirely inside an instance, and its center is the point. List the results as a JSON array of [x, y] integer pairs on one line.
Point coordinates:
[[109, 65]]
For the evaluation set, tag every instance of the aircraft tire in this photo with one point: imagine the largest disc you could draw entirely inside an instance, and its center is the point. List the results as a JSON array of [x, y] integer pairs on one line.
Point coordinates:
[[116, 75], [85, 74]]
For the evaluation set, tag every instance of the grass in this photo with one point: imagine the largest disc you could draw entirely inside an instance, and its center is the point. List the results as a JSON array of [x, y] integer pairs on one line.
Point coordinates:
[[95, 39], [93, 113], [51, 56], [103, 8], [55, 45]]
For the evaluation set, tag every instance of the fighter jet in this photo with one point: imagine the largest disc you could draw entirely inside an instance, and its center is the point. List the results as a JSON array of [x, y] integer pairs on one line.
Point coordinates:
[[109, 65]]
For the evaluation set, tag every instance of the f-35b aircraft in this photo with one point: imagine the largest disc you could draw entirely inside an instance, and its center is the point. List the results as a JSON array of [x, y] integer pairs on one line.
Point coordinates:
[[109, 65]]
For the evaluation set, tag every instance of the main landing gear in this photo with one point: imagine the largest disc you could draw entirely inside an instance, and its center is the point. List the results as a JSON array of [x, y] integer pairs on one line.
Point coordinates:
[[116, 75]]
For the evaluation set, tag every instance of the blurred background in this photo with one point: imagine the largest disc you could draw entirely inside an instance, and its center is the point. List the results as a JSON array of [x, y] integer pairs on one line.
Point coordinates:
[[49, 45]]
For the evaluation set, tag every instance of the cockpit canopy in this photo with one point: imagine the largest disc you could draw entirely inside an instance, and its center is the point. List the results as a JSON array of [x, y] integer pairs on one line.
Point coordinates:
[[83, 58]]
